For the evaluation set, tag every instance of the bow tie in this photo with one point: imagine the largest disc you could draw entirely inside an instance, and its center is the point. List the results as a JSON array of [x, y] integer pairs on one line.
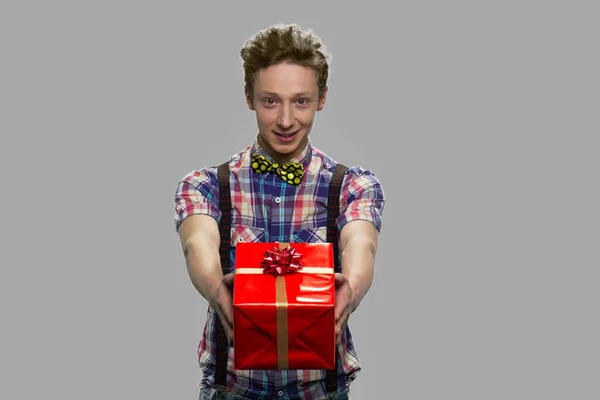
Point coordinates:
[[290, 172]]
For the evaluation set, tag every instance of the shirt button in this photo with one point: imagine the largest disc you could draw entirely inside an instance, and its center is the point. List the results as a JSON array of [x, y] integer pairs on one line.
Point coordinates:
[[277, 200], [280, 393]]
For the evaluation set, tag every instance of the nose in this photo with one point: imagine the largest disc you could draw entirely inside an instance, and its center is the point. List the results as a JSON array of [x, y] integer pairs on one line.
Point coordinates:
[[286, 118]]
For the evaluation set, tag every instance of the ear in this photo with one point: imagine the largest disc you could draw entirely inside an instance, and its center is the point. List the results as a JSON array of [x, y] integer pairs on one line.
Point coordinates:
[[322, 99], [249, 100]]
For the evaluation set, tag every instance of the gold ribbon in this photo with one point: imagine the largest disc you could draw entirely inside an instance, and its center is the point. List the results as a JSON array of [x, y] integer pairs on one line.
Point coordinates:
[[281, 304]]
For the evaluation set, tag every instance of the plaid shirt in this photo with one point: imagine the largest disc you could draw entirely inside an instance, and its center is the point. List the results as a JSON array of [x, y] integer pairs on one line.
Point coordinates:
[[266, 209]]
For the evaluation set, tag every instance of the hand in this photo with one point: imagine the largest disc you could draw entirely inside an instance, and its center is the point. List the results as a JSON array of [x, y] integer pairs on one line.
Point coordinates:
[[221, 301], [344, 304]]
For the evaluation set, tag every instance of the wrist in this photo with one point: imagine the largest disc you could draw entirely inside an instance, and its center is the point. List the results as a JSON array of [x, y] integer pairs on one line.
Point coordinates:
[[212, 287]]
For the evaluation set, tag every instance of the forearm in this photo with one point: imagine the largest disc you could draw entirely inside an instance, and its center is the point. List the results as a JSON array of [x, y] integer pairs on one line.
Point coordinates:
[[358, 264], [203, 263]]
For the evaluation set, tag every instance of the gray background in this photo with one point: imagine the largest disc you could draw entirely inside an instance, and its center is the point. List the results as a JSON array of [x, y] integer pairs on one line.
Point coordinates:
[[479, 119]]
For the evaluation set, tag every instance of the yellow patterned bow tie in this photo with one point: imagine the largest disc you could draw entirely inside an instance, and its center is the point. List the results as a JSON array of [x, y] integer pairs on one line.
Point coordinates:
[[290, 172]]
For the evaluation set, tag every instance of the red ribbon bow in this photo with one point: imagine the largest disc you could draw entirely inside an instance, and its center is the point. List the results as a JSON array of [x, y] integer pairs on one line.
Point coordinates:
[[281, 261]]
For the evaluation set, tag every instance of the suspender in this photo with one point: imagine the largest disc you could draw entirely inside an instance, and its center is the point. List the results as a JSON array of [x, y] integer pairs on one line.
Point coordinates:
[[333, 209], [225, 231]]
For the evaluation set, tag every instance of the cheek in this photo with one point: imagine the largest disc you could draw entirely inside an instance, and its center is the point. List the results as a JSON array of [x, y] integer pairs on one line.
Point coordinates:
[[305, 118], [265, 118]]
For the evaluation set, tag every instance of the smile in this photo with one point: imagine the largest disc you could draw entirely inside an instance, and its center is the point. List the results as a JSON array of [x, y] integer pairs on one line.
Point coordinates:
[[286, 138], [286, 135]]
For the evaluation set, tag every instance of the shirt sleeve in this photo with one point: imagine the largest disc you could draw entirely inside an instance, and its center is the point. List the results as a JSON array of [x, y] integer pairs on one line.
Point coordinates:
[[361, 198], [197, 193]]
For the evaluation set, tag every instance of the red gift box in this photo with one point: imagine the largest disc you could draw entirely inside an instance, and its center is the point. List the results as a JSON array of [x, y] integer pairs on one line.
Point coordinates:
[[283, 304]]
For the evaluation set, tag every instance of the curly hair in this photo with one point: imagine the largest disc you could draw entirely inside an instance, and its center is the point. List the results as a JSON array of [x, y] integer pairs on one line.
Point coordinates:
[[285, 43]]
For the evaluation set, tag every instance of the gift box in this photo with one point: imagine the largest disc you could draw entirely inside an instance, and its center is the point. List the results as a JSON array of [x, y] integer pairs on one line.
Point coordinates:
[[283, 305]]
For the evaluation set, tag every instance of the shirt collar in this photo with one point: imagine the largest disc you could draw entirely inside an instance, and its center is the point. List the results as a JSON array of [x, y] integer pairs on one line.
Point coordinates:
[[304, 157]]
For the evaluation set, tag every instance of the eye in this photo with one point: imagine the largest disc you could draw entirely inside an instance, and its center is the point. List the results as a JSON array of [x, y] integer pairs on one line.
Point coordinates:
[[269, 101], [303, 102]]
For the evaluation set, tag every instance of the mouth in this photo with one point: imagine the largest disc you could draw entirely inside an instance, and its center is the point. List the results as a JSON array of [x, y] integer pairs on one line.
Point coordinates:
[[286, 135]]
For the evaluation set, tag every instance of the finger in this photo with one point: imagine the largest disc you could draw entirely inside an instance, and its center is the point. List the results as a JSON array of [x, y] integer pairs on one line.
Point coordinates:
[[340, 279], [226, 321], [340, 328], [345, 322], [338, 313], [226, 307], [227, 326], [229, 333], [228, 279], [338, 310], [340, 325], [341, 306]]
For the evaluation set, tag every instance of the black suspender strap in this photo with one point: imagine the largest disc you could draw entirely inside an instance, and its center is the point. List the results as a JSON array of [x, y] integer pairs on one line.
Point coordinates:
[[333, 212], [224, 250]]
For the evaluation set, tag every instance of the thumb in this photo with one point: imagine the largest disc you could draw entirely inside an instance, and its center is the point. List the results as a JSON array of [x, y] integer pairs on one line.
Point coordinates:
[[340, 279], [228, 279]]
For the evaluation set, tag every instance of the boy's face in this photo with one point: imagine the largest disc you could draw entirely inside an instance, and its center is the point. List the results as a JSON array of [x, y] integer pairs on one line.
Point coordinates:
[[285, 99]]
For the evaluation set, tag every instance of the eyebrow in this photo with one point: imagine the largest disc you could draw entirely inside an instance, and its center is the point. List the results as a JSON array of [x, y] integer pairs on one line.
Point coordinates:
[[307, 93]]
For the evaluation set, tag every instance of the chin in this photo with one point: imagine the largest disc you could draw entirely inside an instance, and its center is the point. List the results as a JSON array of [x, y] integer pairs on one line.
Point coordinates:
[[284, 150], [272, 141]]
